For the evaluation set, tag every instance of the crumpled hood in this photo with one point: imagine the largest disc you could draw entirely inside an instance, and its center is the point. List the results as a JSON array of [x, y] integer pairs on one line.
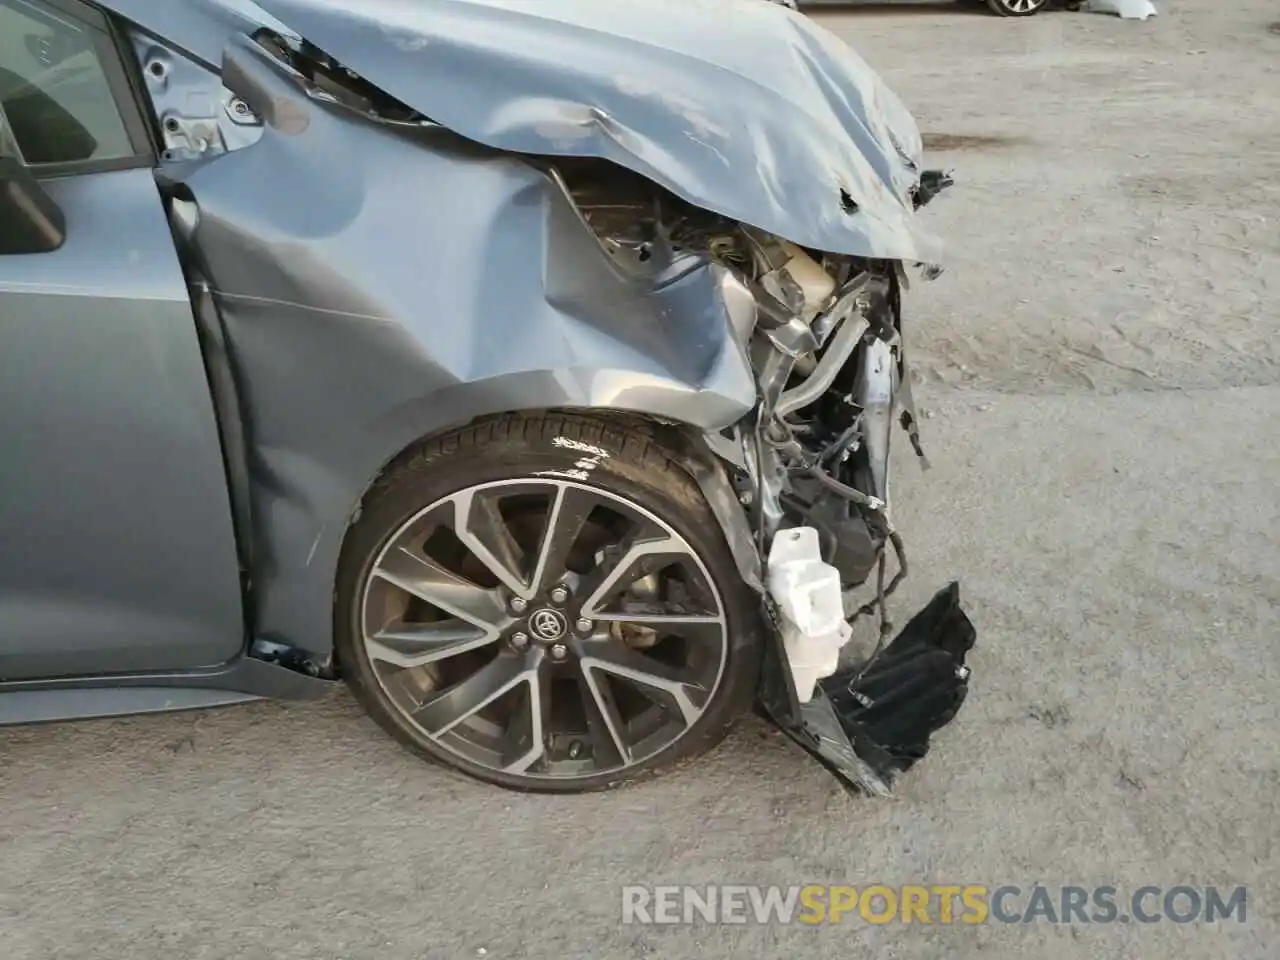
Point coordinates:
[[744, 108]]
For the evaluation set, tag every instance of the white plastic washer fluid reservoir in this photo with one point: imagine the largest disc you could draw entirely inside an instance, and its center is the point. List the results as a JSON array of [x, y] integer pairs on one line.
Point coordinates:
[[807, 593]]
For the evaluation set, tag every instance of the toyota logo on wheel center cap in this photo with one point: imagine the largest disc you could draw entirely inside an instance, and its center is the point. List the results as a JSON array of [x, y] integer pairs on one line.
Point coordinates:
[[548, 625]]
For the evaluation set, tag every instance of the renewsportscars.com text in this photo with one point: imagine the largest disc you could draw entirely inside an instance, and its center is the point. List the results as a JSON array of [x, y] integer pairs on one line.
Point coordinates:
[[932, 903]]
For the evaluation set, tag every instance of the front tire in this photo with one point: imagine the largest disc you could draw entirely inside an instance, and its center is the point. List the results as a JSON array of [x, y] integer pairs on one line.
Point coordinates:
[[545, 603]]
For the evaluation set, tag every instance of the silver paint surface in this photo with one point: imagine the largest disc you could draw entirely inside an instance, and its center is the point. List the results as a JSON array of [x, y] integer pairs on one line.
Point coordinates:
[[199, 27], [379, 284], [747, 109], [117, 550]]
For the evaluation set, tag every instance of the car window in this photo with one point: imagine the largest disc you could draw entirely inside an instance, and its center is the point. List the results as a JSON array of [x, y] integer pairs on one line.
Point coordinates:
[[53, 89]]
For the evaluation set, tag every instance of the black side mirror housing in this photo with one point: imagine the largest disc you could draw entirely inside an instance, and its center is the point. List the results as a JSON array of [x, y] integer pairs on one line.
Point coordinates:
[[30, 222]]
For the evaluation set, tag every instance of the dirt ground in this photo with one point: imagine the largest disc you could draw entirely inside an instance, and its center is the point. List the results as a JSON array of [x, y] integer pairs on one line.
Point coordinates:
[[1100, 364]]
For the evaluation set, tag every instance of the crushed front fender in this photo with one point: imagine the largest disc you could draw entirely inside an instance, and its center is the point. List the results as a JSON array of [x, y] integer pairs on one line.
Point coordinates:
[[379, 283]]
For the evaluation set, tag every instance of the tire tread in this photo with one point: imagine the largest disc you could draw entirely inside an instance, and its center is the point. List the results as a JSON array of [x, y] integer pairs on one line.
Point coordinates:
[[638, 454]]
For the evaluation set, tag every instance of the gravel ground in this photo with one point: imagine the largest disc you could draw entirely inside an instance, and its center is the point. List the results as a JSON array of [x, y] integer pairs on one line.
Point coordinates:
[[1100, 364]]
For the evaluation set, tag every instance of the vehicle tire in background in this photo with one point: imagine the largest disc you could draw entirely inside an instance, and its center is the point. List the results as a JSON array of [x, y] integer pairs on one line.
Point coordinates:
[[545, 603], [1017, 8]]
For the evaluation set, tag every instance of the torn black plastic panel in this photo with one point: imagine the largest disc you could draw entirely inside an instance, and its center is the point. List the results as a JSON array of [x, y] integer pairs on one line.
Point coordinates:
[[870, 722], [932, 183]]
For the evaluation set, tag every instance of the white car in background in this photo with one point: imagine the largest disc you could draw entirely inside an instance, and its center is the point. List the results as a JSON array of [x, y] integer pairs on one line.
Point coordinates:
[[1005, 8]]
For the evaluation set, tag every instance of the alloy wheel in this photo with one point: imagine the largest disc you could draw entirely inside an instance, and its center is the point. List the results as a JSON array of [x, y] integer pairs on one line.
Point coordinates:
[[1016, 8], [543, 628]]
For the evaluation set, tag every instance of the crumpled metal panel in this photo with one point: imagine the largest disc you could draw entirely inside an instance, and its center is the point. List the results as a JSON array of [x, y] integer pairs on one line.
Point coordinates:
[[747, 109], [378, 284]]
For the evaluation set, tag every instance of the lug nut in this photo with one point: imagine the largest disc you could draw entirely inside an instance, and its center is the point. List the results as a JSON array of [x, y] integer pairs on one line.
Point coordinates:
[[559, 594], [584, 625], [519, 640], [559, 651], [518, 604]]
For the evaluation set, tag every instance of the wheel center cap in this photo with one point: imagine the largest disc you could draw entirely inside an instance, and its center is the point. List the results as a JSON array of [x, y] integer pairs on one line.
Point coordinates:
[[548, 625]]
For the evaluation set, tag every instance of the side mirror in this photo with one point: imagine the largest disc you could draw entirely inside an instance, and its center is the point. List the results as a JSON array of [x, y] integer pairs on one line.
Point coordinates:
[[30, 222]]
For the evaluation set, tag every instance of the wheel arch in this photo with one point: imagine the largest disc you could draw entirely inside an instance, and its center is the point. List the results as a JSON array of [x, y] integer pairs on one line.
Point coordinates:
[[314, 501]]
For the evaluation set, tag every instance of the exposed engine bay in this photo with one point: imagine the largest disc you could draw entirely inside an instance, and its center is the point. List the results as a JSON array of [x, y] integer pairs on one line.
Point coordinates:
[[824, 336]]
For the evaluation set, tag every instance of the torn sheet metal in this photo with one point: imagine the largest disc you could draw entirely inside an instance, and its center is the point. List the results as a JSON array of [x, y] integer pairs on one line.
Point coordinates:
[[744, 109], [1125, 9]]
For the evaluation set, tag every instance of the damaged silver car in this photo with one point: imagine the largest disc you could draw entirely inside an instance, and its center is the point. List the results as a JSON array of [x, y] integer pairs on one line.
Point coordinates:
[[530, 367]]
